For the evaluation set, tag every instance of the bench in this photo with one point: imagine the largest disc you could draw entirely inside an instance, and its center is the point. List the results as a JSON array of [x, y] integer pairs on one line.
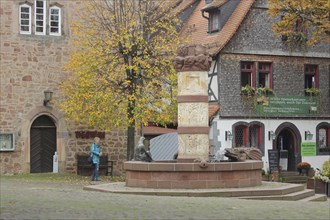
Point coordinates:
[[86, 169]]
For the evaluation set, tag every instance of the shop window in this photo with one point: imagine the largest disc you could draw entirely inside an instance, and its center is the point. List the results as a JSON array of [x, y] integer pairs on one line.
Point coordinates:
[[249, 135]]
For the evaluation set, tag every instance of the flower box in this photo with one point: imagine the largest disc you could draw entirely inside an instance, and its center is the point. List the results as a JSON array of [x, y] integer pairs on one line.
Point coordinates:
[[320, 186], [310, 183]]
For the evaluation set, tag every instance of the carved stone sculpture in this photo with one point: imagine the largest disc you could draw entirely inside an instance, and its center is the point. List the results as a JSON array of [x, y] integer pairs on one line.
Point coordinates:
[[243, 153], [203, 162], [192, 58], [140, 153]]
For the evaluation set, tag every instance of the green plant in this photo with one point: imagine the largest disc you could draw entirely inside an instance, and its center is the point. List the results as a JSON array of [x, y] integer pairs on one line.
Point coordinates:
[[323, 174], [264, 91], [248, 90], [312, 91]]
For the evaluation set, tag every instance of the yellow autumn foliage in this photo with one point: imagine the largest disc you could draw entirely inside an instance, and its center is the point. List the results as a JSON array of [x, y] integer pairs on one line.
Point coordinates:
[[303, 20], [121, 66]]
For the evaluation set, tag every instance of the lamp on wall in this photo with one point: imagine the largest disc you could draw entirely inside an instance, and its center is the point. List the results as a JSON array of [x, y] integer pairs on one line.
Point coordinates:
[[48, 96], [271, 135], [308, 135], [229, 136]]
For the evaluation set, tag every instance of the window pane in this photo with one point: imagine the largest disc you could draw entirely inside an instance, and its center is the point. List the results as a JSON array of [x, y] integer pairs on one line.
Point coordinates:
[[24, 28], [253, 137], [26, 16], [239, 136], [54, 30], [25, 9], [25, 22], [40, 11], [263, 80], [40, 17], [39, 29], [40, 23], [40, 3], [322, 138], [309, 81], [54, 11], [54, 24], [54, 17], [246, 79]]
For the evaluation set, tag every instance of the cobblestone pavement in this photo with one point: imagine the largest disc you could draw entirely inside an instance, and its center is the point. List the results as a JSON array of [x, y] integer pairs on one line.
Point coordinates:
[[35, 199]]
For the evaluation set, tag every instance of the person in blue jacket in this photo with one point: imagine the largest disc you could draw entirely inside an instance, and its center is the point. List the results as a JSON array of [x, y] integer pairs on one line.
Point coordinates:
[[95, 154]]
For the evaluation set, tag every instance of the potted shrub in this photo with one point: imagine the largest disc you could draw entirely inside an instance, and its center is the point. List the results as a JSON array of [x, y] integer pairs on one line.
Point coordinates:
[[303, 168], [322, 179]]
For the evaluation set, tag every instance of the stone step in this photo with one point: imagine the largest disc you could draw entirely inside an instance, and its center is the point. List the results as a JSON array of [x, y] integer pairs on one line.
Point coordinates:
[[288, 197], [289, 173], [295, 179], [315, 198]]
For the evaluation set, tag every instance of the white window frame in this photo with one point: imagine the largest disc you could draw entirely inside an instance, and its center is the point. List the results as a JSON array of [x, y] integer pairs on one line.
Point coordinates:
[[59, 33], [20, 19], [7, 141], [43, 19]]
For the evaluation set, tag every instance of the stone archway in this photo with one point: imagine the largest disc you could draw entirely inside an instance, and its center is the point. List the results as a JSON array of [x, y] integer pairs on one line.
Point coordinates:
[[42, 144], [288, 138], [62, 134]]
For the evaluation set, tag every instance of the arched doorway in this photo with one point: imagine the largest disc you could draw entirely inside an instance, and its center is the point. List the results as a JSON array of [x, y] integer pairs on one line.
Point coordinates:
[[288, 139], [42, 144]]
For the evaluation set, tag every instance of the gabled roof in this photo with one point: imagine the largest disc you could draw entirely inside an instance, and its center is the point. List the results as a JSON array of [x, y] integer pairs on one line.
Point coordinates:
[[196, 26]]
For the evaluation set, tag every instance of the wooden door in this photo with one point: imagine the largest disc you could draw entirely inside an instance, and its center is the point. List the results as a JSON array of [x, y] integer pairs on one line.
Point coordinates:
[[43, 145]]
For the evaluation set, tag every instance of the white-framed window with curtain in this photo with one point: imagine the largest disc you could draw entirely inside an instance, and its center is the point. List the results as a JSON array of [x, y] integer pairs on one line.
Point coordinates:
[[55, 21], [25, 19], [40, 17]]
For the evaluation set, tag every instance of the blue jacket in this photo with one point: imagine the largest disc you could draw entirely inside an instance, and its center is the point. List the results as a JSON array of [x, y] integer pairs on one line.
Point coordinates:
[[95, 151]]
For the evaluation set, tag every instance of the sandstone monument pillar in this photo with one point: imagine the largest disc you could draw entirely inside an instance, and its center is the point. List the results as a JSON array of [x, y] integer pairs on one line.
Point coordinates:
[[193, 63]]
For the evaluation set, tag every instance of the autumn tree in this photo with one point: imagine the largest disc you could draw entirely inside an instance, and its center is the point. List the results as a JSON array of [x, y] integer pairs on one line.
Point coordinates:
[[122, 72], [300, 16]]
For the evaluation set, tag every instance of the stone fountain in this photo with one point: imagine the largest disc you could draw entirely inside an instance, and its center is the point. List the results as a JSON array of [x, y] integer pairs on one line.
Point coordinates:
[[192, 170]]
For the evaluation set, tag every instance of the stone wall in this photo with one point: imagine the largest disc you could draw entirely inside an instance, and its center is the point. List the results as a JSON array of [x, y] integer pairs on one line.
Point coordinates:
[[288, 79], [255, 36], [31, 64]]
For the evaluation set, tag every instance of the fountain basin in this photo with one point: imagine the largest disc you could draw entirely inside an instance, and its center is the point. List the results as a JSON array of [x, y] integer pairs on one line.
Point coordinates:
[[175, 175]]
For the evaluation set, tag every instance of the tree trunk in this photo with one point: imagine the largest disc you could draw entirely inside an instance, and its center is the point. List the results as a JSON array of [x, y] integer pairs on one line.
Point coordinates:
[[130, 132], [130, 142]]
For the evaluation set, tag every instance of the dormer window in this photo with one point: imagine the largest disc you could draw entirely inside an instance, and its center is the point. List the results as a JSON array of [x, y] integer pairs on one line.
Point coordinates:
[[214, 21]]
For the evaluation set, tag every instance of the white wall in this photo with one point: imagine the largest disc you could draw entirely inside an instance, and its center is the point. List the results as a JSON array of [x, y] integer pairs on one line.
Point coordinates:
[[224, 125]]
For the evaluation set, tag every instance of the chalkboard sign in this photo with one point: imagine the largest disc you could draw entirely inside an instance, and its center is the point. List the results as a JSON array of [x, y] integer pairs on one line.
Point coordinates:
[[273, 160]]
